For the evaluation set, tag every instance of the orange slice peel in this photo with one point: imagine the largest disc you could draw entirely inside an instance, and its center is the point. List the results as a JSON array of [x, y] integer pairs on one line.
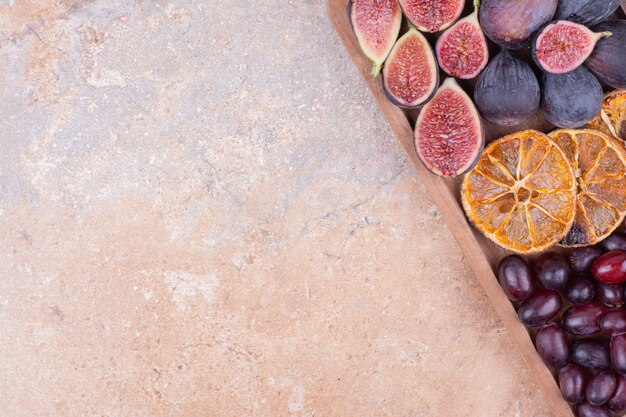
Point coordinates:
[[612, 118]]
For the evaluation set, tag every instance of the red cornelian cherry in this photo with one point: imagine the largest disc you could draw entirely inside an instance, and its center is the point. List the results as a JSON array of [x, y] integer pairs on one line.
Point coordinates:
[[610, 267]]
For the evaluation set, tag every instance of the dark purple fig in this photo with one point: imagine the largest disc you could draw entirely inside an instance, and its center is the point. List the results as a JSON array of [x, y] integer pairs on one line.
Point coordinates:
[[616, 241], [507, 91], [582, 259], [591, 353], [600, 388], [583, 319], [410, 74], [553, 270], [579, 290], [618, 399], [589, 410], [516, 278], [613, 322], [610, 294], [608, 59], [376, 24], [540, 308], [449, 136], [618, 353], [462, 49], [585, 12], [571, 100], [432, 16], [512, 23], [552, 345], [572, 382], [563, 46]]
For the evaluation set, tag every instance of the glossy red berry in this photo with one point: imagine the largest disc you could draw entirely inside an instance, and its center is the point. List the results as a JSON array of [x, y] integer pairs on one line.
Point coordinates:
[[610, 267]]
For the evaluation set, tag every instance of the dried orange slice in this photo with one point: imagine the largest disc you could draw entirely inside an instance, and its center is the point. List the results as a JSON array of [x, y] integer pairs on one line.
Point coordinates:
[[612, 117], [599, 162], [522, 192]]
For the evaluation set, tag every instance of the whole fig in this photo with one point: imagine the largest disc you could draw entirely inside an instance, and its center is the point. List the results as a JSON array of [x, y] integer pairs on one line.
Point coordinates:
[[507, 91], [608, 59], [586, 12], [571, 100], [512, 23]]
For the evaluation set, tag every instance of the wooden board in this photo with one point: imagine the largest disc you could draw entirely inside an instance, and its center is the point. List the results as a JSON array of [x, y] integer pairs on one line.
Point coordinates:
[[482, 255]]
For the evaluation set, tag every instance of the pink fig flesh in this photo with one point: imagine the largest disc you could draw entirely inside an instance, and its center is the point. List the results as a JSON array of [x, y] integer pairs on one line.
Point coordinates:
[[432, 15], [462, 49], [449, 136], [376, 24], [410, 74], [563, 46]]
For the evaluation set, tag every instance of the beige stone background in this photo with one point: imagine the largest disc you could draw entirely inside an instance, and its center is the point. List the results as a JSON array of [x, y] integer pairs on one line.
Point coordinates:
[[204, 213]]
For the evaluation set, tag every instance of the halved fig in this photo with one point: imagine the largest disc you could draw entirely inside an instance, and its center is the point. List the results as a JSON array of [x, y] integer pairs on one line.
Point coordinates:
[[507, 91], [512, 23], [449, 136], [462, 49], [410, 75], [376, 24], [563, 46], [608, 60], [586, 12], [432, 15], [571, 100]]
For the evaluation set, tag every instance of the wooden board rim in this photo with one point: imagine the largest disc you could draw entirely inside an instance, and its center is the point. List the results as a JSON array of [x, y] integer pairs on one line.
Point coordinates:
[[470, 241]]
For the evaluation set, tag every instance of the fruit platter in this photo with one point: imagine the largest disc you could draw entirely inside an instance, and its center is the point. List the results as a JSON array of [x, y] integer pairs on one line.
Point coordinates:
[[513, 113]]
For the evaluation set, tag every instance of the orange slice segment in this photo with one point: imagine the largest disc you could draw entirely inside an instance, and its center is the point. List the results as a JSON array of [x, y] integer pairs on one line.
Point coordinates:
[[612, 117], [522, 192], [599, 162]]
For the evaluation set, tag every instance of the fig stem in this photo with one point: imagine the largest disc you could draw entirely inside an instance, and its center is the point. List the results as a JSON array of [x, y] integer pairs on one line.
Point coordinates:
[[376, 69], [476, 4], [606, 34]]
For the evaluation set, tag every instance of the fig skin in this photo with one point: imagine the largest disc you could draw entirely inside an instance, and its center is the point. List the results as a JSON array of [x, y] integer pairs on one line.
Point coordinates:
[[586, 12], [608, 59], [507, 91], [512, 23], [573, 99]]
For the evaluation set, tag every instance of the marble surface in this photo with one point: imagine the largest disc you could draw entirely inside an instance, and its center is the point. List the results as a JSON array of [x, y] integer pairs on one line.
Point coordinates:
[[203, 213]]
